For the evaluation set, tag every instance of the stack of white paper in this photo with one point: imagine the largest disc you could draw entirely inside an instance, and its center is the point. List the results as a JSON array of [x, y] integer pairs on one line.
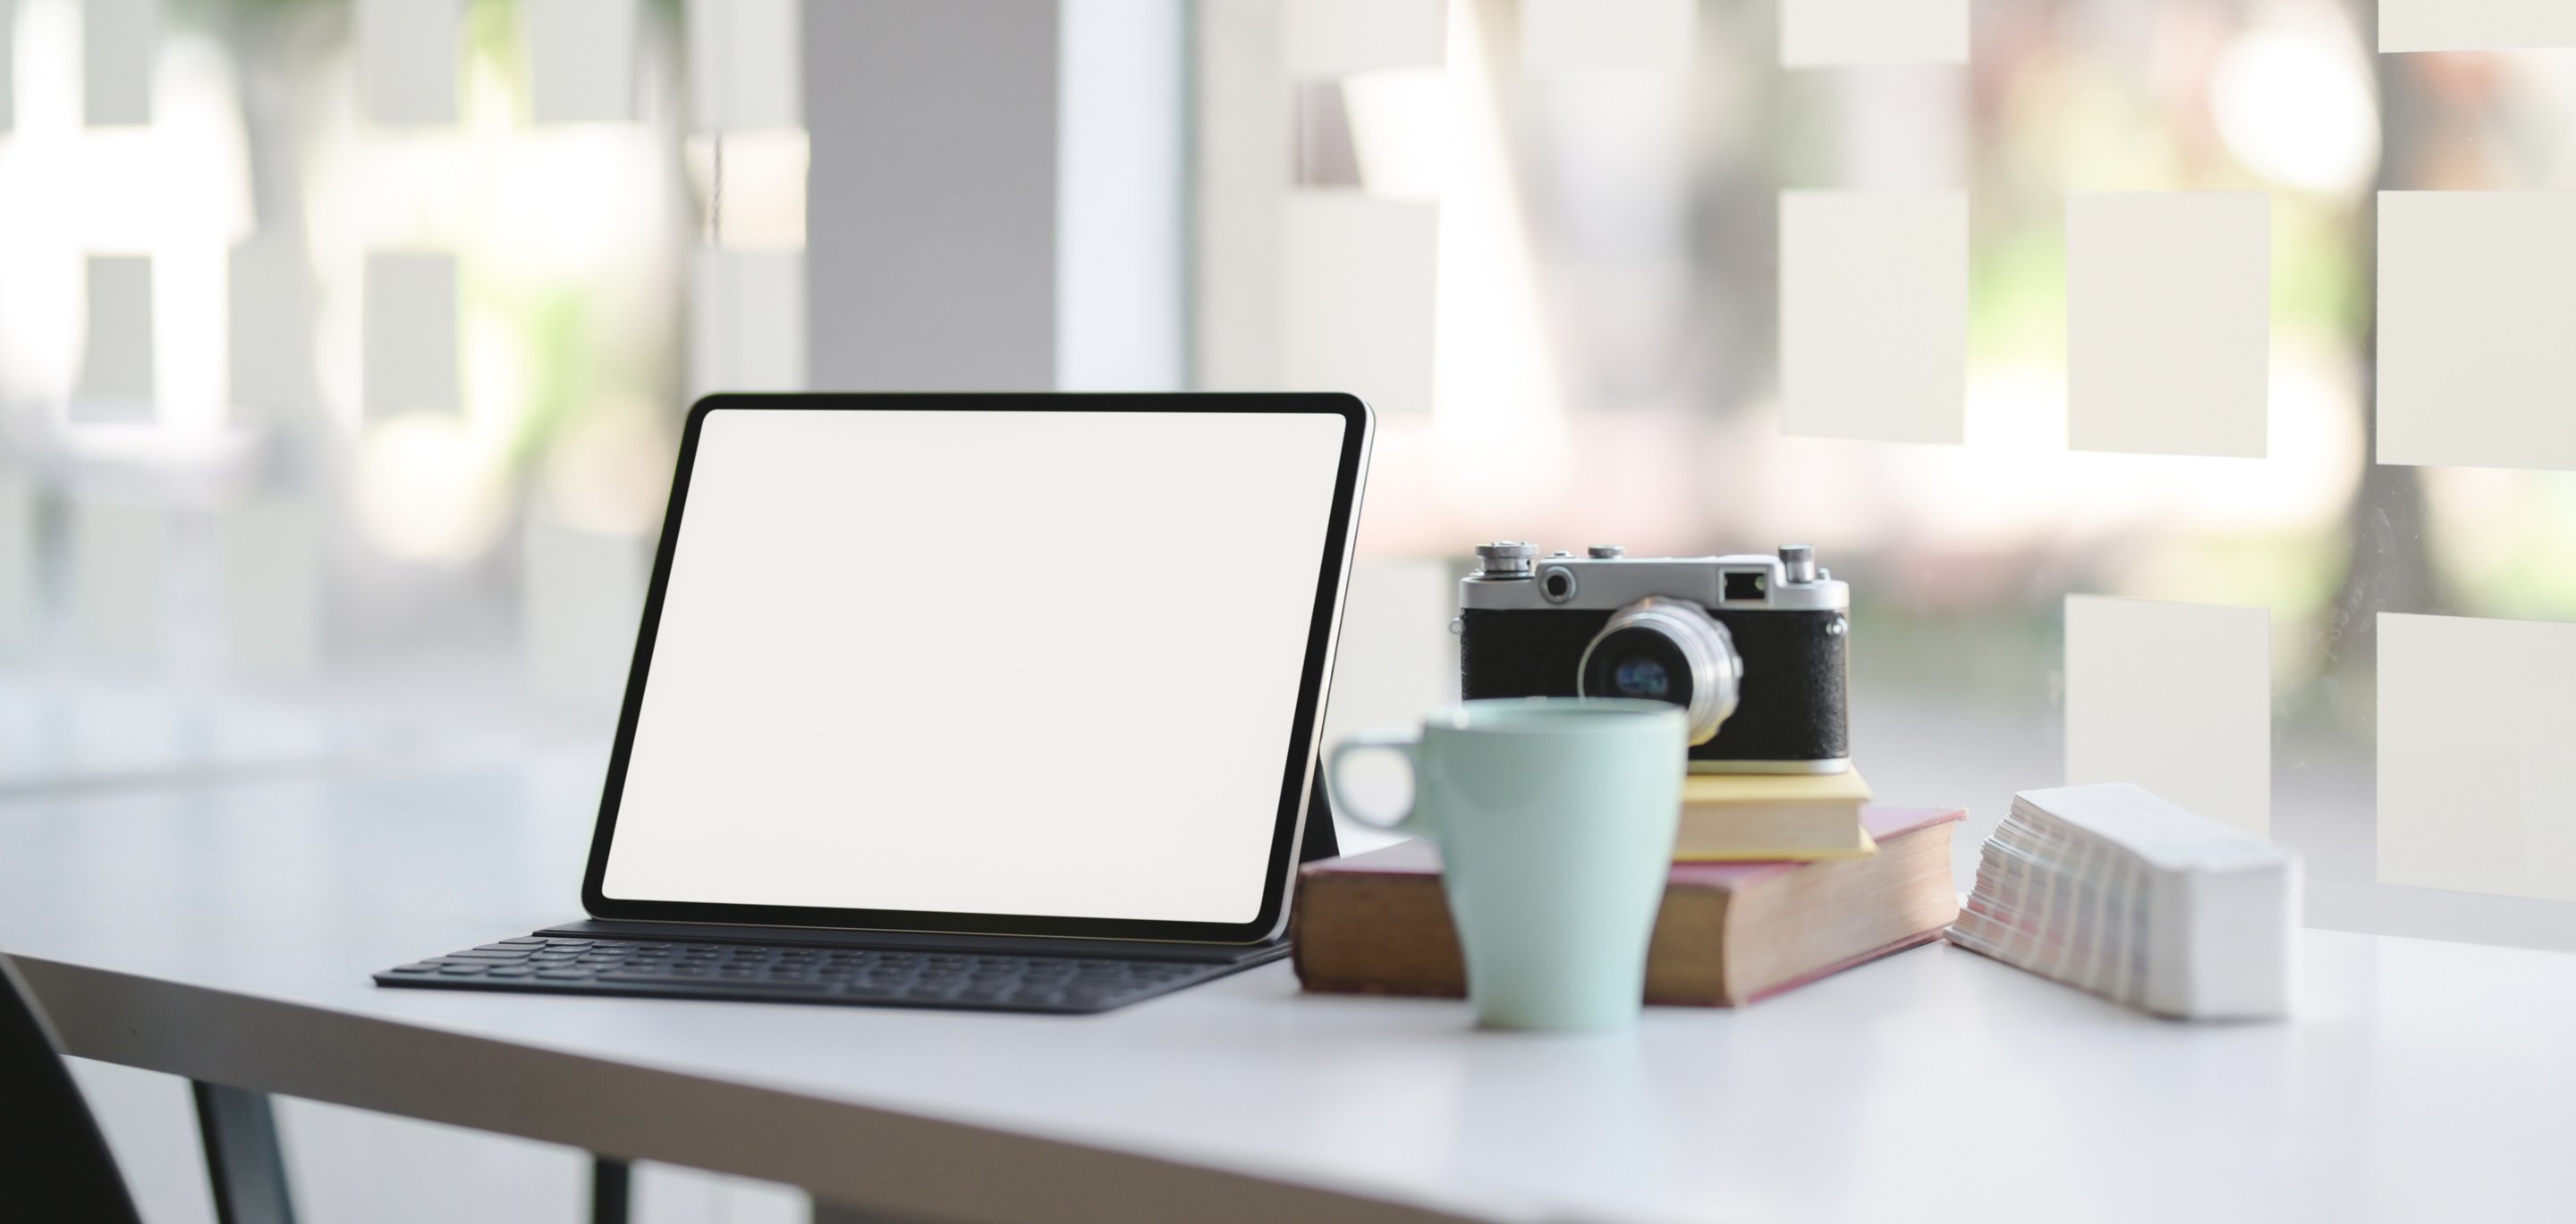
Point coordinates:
[[2114, 890]]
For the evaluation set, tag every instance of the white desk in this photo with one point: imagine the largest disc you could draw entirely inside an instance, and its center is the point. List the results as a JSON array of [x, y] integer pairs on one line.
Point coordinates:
[[227, 935]]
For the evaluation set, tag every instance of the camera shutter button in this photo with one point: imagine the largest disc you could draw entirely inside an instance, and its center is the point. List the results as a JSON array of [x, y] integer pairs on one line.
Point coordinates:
[[1800, 562]]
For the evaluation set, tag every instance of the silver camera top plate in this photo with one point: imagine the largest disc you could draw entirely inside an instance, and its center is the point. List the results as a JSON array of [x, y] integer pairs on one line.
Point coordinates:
[[1564, 581]]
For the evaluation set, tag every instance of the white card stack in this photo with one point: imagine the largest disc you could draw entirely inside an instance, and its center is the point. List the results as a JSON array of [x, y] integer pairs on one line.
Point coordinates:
[[2116, 891]]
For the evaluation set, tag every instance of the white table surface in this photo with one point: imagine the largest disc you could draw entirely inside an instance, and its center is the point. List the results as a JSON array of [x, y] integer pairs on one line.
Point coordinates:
[[227, 934]]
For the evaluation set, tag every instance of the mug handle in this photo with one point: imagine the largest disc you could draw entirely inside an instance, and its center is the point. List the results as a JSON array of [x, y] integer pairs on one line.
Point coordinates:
[[1404, 744]]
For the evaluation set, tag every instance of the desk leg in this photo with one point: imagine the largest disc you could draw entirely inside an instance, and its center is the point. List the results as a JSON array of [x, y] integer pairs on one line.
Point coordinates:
[[244, 1161], [612, 1188]]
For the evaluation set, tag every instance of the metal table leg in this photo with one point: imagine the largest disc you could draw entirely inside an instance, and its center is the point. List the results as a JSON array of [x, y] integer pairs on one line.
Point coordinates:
[[244, 1162], [612, 1188]]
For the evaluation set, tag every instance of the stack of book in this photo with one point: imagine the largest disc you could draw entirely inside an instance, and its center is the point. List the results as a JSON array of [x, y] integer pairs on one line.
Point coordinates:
[[2116, 891], [1777, 881]]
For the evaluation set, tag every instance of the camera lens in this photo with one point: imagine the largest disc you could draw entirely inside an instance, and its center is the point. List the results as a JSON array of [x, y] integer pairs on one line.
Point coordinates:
[[1641, 676], [1666, 650]]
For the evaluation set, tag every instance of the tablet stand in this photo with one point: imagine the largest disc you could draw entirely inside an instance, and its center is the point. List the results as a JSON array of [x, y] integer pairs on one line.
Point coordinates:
[[1320, 842]]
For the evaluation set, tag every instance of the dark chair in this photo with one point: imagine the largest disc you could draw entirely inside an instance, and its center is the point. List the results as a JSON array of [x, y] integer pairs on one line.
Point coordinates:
[[54, 1164]]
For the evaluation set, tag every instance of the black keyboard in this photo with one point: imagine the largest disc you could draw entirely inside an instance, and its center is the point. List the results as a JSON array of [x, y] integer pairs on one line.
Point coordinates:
[[806, 973]]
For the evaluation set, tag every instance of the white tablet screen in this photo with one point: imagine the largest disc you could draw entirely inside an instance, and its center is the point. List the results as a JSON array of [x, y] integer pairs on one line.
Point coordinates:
[[1039, 663]]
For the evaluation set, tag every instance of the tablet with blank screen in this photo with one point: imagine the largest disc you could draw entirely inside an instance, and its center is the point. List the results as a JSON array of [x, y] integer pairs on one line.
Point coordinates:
[[1034, 665]]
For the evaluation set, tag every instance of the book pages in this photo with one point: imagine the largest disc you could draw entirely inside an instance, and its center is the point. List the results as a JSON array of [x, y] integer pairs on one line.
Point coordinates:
[[2110, 889]]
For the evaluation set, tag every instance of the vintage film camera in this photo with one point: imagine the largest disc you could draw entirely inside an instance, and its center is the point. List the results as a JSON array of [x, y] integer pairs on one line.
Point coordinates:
[[1752, 646]]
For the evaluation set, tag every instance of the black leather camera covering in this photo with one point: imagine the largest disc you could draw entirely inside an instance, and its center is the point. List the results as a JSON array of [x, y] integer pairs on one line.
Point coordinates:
[[1793, 706]]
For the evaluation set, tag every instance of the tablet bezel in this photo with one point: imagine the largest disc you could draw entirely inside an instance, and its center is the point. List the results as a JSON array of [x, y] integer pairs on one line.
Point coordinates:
[[1305, 732]]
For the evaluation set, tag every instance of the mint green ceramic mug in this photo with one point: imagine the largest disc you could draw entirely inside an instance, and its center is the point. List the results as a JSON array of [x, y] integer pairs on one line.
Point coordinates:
[[1554, 817]]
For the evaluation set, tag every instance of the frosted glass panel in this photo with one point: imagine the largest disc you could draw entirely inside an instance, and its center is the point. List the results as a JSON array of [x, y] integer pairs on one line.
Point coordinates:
[[407, 59], [116, 357], [270, 310], [1821, 32], [1579, 35], [2475, 25], [119, 39], [410, 328], [743, 68], [18, 623], [8, 64], [120, 554], [581, 60], [1874, 314], [2477, 779], [2477, 300], [746, 321], [581, 594], [1357, 276], [2175, 697], [1338, 37], [2168, 323], [272, 558]]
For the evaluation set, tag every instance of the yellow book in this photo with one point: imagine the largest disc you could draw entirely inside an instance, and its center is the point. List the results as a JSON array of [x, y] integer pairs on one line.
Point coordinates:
[[1771, 817]]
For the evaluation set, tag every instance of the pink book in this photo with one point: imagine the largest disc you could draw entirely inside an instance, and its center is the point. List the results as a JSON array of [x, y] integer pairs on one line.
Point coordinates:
[[1729, 933]]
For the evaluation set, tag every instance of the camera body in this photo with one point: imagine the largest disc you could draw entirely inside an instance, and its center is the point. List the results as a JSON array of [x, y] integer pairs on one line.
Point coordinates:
[[1753, 646]]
